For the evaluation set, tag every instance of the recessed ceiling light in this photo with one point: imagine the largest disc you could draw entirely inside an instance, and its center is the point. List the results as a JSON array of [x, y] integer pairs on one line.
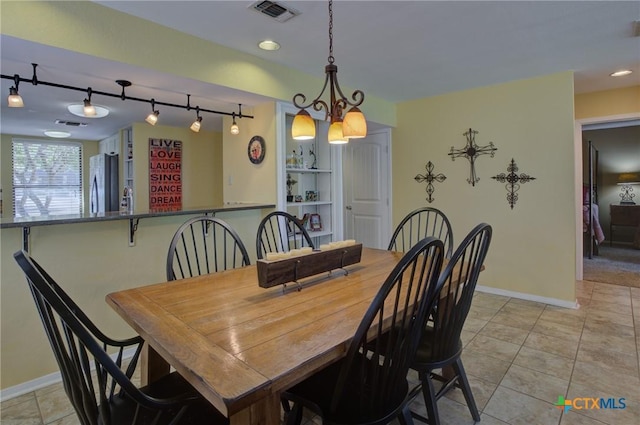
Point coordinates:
[[57, 134], [621, 73], [78, 110], [268, 45]]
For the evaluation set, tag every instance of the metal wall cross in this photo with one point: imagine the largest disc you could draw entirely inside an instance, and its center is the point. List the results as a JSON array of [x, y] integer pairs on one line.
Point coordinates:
[[471, 151], [430, 178], [513, 181]]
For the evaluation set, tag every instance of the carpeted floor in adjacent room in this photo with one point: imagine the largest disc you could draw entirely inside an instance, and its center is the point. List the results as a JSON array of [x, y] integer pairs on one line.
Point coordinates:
[[618, 264]]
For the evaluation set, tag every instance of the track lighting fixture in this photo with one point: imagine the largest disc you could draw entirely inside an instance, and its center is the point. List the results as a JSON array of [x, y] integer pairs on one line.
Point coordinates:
[[195, 127], [88, 110], [152, 118], [234, 129], [354, 124], [15, 100]]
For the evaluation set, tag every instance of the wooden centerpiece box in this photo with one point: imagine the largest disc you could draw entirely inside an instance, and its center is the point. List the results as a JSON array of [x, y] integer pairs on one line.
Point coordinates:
[[281, 271]]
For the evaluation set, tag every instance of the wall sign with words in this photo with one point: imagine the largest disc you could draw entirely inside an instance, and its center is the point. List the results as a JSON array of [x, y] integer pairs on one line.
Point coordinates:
[[165, 175]]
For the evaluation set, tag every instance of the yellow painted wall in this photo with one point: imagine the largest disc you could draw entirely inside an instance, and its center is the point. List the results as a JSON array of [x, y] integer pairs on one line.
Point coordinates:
[[201, 164], [533, 247], [608, 103], [244, 181]]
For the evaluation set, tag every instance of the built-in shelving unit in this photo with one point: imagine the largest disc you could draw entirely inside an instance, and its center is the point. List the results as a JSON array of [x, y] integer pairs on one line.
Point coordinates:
[[315, 167], [127, 157]]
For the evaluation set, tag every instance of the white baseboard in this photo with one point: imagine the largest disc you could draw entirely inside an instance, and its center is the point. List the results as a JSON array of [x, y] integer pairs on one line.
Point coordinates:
[[528, 297], [45, 381]]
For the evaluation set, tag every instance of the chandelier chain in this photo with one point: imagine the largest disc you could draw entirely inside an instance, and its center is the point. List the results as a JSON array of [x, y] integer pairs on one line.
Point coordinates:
[[331, 59]]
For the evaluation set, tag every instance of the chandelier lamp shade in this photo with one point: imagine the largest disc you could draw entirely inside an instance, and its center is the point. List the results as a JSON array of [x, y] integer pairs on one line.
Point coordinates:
[[87, 109], [352, 126]]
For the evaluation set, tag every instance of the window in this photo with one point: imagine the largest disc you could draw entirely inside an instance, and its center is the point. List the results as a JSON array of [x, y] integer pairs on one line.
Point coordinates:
[[47, 178]]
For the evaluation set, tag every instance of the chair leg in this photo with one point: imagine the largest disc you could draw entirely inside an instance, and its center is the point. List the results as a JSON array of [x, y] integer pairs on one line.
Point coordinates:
[[294, 415], [429, 394], [405, 417], [466, 389]]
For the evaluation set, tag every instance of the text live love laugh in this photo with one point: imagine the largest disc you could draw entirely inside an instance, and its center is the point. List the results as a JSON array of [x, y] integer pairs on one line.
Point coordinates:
[[165, 174]]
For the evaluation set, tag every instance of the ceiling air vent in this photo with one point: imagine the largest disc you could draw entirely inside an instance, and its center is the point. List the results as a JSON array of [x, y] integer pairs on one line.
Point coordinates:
[[274, 10], [71, 123]]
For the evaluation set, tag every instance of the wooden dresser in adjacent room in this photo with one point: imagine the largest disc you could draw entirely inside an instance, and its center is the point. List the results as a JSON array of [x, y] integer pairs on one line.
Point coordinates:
[[625, 215]]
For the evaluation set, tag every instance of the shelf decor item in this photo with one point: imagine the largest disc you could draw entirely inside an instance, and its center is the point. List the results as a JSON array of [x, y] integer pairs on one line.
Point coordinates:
[[290, 182], [293, 268], [311, 196], [315, 222]]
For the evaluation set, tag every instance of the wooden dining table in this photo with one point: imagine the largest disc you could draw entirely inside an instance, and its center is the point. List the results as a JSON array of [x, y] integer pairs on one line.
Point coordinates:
[[241, 345]]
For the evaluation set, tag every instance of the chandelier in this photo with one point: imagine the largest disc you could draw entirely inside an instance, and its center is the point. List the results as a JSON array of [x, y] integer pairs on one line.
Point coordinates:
[[354, 124]]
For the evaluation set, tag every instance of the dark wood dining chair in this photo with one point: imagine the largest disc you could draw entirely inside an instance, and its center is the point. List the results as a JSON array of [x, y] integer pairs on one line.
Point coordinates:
[[369, 385], [440, 345], [106, 395], [419, 224], [279, 231], [203, 245]]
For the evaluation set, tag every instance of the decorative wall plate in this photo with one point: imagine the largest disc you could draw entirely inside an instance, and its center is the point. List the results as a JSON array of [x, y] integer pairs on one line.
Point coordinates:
[[256, 149]]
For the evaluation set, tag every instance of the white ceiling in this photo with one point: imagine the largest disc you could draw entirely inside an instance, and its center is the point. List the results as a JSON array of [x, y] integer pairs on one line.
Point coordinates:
[[396, 50]]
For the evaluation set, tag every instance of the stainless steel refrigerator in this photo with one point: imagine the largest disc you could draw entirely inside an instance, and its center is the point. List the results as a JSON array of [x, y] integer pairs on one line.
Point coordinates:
[[105, 189]]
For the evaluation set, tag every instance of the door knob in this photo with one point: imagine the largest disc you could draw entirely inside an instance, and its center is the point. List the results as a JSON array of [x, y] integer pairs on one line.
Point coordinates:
[[349, 207]]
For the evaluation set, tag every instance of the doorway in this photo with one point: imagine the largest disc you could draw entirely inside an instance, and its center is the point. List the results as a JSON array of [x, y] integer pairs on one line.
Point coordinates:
[[618, 146], [366, 171]]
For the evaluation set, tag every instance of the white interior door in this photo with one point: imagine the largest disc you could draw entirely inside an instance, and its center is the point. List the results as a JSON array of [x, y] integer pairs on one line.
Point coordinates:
[[366, 171]]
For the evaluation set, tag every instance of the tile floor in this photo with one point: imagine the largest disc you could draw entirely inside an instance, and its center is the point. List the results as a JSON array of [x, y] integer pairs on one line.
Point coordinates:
[[519, 355]]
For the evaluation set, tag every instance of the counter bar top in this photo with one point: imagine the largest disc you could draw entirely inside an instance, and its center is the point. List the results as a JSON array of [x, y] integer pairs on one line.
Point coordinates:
[[116, 215]]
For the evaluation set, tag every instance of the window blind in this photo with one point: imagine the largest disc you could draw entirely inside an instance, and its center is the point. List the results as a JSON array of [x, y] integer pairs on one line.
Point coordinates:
[[47, 178]]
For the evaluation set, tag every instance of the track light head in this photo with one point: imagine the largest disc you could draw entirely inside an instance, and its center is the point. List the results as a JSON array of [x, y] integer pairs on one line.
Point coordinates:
[[152, 118], [234, 129], [14, 99], [89, 110], [195, 127]]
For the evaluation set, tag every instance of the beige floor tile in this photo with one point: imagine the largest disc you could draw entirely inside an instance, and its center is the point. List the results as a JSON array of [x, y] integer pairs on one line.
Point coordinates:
[[584, 286], [490, 301], [572, 418], [516, 408], [595, 325], [54, 404], [493, 347], [450, 412], [466, 337], [549, 344], [608, 307], [619, 300], [481, 390], [604, 356], [635, 293], [474, 325], [572, 317], [569, 330], [608, 341], [607, 379], [16, 400], [25, 412], [536, 384], [504, 333], [627, 416], [514, 320], [481, 313], [552, 364], [490, 420], [67, 420], [484, 367]]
